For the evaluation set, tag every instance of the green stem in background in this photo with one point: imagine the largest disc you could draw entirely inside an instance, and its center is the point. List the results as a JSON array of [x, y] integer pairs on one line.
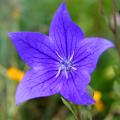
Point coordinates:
[[78, 113], [114, 17], [2, 70], [114, 29], [3, 73]]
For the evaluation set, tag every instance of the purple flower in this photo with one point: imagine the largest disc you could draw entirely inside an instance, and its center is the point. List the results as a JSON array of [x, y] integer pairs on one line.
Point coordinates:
[[60, 63]]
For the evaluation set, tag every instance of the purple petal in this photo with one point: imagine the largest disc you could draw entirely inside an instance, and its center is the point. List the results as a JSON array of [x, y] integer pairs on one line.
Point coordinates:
[[64, 32], [38, 83], [74, 88], [34, 48], [90, 49]]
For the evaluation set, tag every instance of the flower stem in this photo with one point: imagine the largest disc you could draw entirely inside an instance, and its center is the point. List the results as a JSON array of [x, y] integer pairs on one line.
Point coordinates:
[[2, 73], [114, 29], [78, 113]]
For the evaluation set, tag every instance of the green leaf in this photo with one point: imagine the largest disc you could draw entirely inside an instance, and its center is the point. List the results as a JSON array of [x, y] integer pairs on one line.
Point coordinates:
[[70, 106], [116, 87], [86, 114], [90, 90]]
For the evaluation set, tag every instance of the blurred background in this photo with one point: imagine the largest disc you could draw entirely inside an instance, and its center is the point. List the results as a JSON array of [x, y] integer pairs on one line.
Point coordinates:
[[96, 19]]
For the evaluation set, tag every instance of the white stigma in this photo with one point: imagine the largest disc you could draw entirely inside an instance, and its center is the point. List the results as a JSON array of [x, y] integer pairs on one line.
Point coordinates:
[[65, 65]]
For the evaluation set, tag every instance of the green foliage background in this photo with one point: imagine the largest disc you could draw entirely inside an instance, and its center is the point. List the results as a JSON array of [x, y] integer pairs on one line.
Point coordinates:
[[94, 17]]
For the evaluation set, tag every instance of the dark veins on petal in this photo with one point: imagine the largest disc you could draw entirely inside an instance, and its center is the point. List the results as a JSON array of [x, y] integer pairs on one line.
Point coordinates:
[[30, 46]]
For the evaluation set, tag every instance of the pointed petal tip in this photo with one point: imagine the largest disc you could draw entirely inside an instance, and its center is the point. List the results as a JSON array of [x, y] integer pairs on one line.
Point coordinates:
[[91, 101], [88, 102], [63, 6], [63, 3], [19, 100], [12, 34], [110, 43], [107, 45], [17, 104], [20, 96]]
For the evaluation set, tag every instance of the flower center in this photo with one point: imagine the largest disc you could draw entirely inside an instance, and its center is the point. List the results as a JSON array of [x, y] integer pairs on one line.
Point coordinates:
[[65, 65]]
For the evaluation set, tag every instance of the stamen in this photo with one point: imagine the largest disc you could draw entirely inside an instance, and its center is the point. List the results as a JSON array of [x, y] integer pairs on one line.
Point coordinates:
[[66, 74], [58, 73], [74, 68], [59, 55], [71, 56], [65, 65]]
